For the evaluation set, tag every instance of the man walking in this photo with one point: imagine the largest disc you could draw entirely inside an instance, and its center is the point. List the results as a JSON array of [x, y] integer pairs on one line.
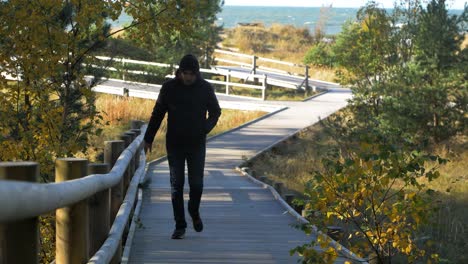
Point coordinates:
[[187, 98]]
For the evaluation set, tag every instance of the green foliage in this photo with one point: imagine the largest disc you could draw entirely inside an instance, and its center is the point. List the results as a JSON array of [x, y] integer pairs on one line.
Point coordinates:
[[410, 80], [320, 55], [409, 86], [192, 31], [50, 111], [124, 48], [365, 50]]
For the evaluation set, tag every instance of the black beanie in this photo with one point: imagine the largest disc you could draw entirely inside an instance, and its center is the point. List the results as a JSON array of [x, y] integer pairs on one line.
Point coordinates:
[[190, 63]]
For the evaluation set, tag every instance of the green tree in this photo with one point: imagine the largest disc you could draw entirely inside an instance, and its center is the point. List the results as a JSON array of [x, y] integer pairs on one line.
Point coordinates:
[[320, 54], [407, 70], [198, 36], [437, 75], [50, 111], [408, 76]]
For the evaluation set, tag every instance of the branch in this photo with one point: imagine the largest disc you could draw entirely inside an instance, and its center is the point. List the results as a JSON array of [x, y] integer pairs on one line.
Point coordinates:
[[384, 198]]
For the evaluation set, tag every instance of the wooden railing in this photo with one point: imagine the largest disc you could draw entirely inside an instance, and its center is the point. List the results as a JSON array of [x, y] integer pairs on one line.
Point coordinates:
[[226, 73], [86, 198], [252, 75], [298, 70]]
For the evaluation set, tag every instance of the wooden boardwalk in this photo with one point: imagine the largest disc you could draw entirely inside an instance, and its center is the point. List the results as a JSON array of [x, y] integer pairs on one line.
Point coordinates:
[[243, 222]]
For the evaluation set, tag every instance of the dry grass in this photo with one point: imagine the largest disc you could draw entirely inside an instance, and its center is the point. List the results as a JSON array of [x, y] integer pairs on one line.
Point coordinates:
[[119, 111], [292, 161], [450, 231], [279, 42]]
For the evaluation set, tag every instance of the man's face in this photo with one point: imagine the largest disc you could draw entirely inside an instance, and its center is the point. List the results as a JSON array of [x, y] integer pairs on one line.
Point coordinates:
[[188, 77]]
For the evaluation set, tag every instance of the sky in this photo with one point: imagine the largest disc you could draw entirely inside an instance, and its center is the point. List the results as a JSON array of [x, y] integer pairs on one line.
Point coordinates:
[[452, 4]]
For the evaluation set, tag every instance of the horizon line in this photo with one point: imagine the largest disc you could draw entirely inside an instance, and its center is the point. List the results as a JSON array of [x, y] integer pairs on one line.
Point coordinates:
[[356, 7]]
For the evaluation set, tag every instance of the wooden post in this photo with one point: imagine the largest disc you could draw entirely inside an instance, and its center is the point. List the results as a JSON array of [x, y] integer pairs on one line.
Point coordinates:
[[307, 80], [253, 174], [298, 208], [254, 64], [112, 151], [264, 87], [72, 222], [131, 165], [289, 198], [123, 69], [127, 176], [228, 80], [99, 212], [19, 240], [136, 124], [279, 187], [136, 158], [137, 131]]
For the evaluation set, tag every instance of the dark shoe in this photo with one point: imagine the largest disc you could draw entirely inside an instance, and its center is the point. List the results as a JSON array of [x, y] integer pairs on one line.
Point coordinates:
[[197, 224], [178, 233]]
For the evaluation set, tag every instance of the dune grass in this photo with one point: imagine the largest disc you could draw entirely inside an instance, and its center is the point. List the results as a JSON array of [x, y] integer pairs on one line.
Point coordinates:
[[279, 42]]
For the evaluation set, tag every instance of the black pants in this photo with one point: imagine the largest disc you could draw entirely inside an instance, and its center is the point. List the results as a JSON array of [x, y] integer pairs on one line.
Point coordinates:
[[195, 157]]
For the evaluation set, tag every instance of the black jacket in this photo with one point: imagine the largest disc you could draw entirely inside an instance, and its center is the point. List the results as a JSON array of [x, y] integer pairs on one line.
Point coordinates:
[[187, 107]]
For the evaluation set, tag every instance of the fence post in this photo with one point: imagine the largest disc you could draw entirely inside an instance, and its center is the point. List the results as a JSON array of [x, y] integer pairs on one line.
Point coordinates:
[[19, 240], [112, 151], [72, 224], [279, 186], [289, 198], [137, 131], [264, 87], [254, 68], [307, 79], [136, 157], [127, 176], [99, 211], [131, 165], [135, 124], [123, 69], [228, 80], [254, 64]]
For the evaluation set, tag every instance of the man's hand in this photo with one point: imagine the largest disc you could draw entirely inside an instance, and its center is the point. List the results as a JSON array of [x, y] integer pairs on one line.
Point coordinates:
[[148, 147]]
